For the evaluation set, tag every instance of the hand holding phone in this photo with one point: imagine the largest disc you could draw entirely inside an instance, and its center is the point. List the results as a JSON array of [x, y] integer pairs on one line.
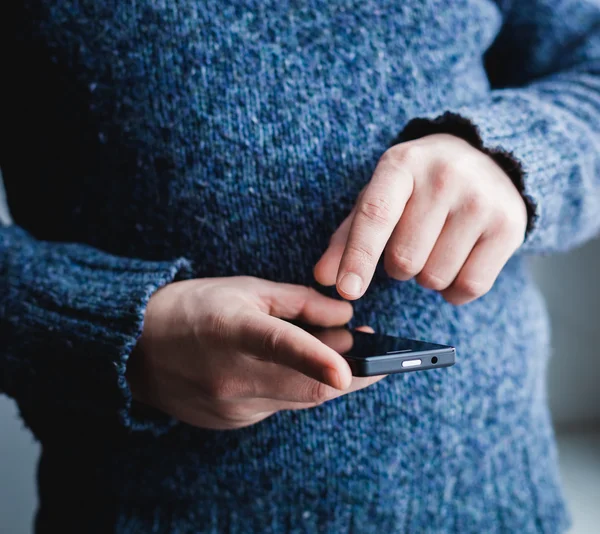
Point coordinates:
[[378, 354]]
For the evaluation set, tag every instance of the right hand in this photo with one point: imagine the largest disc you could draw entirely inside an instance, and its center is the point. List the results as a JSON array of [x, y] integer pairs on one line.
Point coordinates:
[[214, 353]]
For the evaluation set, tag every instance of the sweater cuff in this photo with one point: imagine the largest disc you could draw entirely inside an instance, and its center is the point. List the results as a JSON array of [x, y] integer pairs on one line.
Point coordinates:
[[133, 415], [462, 126], [73, 316]]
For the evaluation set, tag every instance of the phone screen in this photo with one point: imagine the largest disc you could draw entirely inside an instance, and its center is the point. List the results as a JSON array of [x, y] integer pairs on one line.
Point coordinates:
[[367, 345]]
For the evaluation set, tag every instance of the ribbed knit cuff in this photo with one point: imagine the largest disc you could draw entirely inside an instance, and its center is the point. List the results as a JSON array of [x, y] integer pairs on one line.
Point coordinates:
[[133, 415], [72, 317]]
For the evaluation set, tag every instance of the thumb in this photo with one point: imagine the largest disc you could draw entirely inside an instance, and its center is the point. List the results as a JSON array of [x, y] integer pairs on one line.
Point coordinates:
[[272, 340]]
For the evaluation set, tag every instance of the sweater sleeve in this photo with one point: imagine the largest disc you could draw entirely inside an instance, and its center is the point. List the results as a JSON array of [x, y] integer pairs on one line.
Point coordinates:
[[69, 317], [541, 121]]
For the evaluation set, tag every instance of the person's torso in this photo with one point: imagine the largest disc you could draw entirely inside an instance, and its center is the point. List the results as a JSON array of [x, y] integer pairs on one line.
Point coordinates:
[[238, 134]]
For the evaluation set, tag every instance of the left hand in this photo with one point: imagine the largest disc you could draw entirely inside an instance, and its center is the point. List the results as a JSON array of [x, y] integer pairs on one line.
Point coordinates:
[[441, 210]]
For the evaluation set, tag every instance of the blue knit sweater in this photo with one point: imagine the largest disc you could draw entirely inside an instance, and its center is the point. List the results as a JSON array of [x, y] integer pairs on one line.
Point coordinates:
[[150, 140]]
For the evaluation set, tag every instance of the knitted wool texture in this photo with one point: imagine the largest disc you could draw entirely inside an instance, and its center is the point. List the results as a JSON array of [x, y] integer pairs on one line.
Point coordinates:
[[147, 141]]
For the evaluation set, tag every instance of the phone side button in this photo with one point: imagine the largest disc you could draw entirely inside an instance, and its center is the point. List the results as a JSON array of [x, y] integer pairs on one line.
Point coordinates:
[[411, 363]]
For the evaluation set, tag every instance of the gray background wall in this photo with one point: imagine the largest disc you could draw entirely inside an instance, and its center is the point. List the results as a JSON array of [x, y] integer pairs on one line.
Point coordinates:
[[18, 455], [570, 284]]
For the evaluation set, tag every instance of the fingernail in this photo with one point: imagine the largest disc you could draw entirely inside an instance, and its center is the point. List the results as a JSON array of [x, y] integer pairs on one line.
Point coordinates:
[[351, 284], [336, 380], [332, 378]]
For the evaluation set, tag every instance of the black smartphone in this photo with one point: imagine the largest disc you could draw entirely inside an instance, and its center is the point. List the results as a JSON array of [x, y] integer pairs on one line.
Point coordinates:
[[379, 354], [376, 354]]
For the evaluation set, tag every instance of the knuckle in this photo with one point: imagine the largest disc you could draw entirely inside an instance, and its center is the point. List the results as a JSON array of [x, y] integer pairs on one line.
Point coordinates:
[[376, 210], [476, 206], [444, 178], [501, 223], [363, 254], [319, 393], [271, 343], [404, 263], [432, 281], [222, 388], [218, 326], [471, 288], [402, 155], [506, 223], [296, 302]]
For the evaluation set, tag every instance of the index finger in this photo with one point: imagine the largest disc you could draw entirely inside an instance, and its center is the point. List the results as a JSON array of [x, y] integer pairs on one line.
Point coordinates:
[[377, 213], [273, 340]]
